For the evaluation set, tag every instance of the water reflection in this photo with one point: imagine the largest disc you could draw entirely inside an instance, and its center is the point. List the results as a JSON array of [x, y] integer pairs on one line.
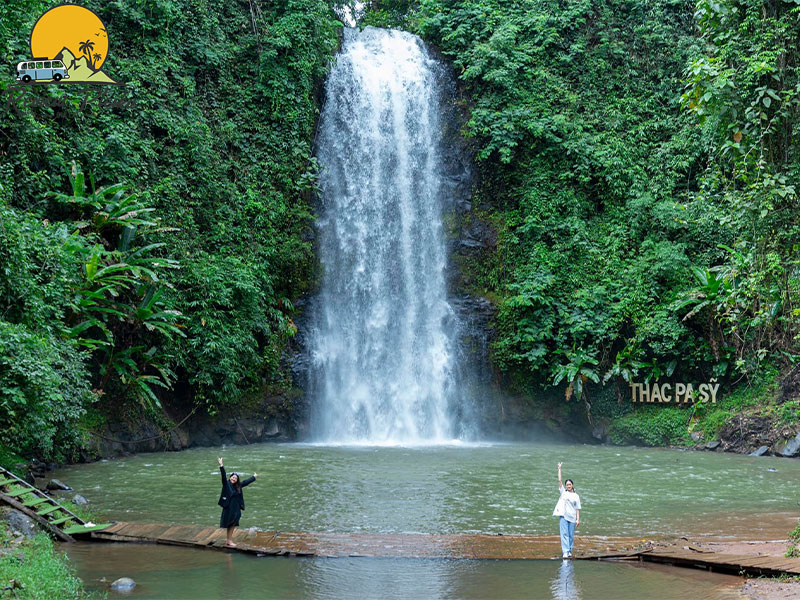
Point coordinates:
[[563, 586], [229, 584], [168, 573]]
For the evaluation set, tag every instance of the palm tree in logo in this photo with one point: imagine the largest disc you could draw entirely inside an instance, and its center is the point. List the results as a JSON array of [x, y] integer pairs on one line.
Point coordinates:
[[86, 48], [97, 58]]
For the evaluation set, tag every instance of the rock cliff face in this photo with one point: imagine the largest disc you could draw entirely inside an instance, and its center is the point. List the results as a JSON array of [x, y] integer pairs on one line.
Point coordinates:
[[273, 419], [470, 241], [755, 435]]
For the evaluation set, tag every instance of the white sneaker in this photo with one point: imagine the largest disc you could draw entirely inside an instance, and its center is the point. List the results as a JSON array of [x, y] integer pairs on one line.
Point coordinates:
[[565, 556]]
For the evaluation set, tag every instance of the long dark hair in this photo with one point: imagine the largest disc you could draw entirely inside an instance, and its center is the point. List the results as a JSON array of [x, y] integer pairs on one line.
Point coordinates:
[[238, 485]]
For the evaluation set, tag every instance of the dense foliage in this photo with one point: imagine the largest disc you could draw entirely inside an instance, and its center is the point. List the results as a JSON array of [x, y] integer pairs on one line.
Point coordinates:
[[637, 161], [187, 281]]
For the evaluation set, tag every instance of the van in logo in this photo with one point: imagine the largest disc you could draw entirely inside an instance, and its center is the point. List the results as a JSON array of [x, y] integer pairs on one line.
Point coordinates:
[[41, 70], [69, 44]]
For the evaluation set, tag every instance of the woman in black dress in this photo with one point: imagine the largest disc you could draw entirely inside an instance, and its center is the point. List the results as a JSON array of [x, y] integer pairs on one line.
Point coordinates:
[[231, 500]]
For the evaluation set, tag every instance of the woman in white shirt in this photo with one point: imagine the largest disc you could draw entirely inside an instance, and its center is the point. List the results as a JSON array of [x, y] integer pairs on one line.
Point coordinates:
[[568, 509]]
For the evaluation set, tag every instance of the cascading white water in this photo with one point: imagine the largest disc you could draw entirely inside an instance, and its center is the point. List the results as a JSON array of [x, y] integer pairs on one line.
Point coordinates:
[[383, 346]]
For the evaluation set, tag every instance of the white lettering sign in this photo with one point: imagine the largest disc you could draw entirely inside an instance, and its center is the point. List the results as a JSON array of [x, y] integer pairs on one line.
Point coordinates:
[[684, 393]]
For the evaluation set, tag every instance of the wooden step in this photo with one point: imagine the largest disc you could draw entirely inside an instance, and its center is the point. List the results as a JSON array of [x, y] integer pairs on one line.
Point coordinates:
[[21, 492], [47, 510], [7, 481], [85, 528], [35, 501], [61, 520]]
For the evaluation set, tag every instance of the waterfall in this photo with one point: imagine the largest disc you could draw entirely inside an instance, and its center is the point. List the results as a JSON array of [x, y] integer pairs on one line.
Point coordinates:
[[384, 338]]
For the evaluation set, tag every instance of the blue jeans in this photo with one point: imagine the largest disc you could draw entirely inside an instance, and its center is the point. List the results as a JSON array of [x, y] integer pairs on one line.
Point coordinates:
[[567, 535]]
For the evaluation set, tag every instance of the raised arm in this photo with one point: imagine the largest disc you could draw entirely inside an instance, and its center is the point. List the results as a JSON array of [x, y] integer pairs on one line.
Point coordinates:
[[225, 483], [560, 485], [249, 480]]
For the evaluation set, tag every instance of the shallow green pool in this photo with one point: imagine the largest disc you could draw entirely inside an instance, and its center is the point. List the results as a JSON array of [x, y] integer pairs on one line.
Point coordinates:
[[501, 488]]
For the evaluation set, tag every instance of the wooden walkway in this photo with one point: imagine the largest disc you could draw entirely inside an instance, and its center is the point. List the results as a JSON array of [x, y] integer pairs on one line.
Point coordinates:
[[462, 546], [752, 565], [378, 545]]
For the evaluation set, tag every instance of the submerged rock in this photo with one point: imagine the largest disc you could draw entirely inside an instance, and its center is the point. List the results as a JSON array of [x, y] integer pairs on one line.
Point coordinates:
[[55, 484], [123, 584]]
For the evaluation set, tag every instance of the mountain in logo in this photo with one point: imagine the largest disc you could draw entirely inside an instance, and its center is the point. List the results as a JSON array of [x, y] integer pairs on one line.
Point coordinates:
[[79, 69]]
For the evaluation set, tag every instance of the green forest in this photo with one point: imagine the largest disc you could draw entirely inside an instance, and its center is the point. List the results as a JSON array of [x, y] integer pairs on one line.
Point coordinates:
[[636, 158]]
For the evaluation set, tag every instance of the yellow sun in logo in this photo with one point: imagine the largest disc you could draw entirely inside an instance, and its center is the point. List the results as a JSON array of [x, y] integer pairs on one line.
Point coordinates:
[[75, 28]]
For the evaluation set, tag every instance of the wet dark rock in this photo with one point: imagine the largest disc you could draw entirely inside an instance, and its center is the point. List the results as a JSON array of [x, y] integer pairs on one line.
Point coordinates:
[[55, 484], [271, 420], [478, 234], [788, 447], [746, 432], [20, 523], [123, 584], [37, 467], [79, 500], [600, 431], [272, 430], [713, 445], [760, 451]]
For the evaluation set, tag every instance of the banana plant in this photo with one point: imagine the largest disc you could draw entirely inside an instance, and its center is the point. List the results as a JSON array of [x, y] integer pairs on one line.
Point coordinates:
[[120, 307], [579, 369]]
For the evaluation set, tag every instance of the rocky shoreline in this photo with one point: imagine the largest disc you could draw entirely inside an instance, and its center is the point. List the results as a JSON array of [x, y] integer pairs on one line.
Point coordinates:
[[754, 435]]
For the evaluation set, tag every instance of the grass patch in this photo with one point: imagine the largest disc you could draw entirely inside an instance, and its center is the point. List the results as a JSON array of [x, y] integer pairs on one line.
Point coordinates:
[[652, 426], [762, 392], [37, 570], [787, 413], [8, 458], [794, 542]]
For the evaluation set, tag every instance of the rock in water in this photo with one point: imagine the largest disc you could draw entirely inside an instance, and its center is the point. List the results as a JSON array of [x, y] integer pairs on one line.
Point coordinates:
[[123, 584], [55, 484], [760, 452], [80, 500], [790, 447], [712, 445]]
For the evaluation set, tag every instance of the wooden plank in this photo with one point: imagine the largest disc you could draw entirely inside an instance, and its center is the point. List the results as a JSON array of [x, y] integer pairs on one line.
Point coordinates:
[[203, 534], [148, 531], [180, 533], [62, 520], [35, 501], [47, 510], [733, 563], [6, 481], [21, 492], [208, 539], [115, 527], [74, 529]]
